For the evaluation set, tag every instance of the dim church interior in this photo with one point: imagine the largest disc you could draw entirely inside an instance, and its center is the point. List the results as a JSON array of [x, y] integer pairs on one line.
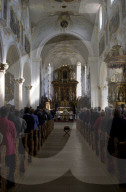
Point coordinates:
[[68, 56]]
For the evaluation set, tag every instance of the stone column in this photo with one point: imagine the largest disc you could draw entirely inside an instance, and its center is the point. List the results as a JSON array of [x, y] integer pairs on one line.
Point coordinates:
[[18, 93], [93, 63], [28, 88], [3, 68], [103, 96], [36, 62]]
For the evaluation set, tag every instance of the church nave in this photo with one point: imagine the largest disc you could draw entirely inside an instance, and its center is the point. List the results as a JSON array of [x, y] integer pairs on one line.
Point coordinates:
[[66, 164]]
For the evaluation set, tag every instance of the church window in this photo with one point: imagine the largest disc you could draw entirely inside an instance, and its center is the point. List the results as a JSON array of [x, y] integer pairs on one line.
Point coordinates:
[[100, 18], [79, 88], [49, 81], [112, 1]]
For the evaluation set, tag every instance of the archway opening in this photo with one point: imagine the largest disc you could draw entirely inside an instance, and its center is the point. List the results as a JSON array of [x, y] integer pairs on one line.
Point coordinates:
[[63, 51]]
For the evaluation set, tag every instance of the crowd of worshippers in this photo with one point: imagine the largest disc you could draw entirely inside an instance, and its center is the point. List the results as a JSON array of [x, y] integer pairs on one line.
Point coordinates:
[[109, 121], [14, 124]]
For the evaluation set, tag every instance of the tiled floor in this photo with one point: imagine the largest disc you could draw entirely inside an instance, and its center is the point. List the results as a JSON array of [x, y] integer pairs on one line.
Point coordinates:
[[66, 164]]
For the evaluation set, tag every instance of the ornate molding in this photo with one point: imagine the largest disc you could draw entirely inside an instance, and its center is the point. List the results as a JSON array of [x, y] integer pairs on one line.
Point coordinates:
[[116, 58], [102, 87], [3, 67], [29, 87], [19, 81]]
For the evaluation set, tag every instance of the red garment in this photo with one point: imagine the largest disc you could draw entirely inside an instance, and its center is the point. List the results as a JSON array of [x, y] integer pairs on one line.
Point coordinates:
[[97, 124], [7, 128]]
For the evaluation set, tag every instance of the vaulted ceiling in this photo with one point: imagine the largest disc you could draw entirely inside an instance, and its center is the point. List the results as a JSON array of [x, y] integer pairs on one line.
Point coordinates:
[[41, 8], [64, 49], [48, 15], [50, 18]]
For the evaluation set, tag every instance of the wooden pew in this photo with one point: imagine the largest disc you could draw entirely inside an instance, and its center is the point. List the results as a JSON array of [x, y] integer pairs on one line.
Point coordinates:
[[4, 169], [28, 145], [36, 142]]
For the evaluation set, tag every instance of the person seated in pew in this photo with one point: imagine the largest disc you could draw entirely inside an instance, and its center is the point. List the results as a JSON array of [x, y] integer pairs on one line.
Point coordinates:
[[30, 127], [36, 124], [96, 130], [29, 120], [8, 130], [20, 123], [41, 116], [105, 127], [21, 126]]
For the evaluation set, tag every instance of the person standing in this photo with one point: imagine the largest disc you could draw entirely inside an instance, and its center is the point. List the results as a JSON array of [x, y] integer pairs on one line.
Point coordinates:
[[8, 130]]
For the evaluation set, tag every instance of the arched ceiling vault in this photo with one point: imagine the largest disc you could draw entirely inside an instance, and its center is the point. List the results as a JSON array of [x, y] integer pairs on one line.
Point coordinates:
[[64, 49], [46, 17]]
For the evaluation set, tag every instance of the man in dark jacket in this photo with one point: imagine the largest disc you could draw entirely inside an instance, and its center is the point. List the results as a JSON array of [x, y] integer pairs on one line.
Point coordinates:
[[29, 120]]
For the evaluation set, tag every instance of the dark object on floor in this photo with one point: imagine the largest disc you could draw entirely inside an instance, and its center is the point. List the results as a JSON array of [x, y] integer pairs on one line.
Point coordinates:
[[67, 130], [10, 184]]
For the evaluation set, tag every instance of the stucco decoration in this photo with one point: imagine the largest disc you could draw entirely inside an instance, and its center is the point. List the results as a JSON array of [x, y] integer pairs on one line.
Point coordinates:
[[5, 7], [123, 2], [116, 58], [101, 45], [114, 23], [27, 45], [64, 24], [9, 87], [14, 23]]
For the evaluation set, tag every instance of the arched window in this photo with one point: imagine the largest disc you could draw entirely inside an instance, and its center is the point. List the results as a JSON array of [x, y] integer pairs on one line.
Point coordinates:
[[49, 81], [112, 1], [100, 18], [79, 88]]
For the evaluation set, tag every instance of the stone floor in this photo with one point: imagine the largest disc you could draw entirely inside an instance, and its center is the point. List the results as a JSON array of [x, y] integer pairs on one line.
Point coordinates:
[[66, 164]]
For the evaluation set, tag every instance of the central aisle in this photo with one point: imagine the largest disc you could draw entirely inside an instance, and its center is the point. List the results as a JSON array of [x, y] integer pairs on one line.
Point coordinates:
[[66, 164]]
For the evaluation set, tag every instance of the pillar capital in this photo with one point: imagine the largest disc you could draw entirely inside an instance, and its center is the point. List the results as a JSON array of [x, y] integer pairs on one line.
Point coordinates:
[[19, 81], [102, 87], [29, 87], [3, 67]]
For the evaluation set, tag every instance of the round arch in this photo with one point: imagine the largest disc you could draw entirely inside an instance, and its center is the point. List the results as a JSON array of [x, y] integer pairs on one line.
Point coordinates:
[[45, 41]]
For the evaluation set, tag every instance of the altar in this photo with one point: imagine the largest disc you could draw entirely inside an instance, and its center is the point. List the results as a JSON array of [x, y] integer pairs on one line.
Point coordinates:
[[64, 113], [64, 88]]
